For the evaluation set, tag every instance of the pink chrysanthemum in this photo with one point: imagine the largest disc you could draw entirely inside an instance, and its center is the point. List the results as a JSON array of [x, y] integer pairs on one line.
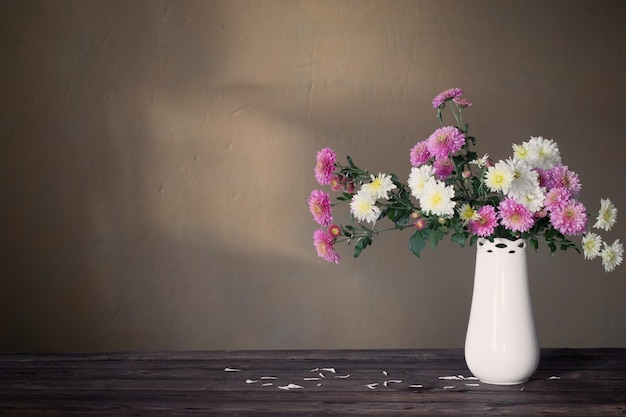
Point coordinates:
[[515, 216], [348, 185], [570, 219], [336, 182], [443, 168], [319, 205], [323, 242], [556, 198], [461, 102], [441, 98], [325, 166], [561, 176], [445, 141], [486, 222], [419, 154]]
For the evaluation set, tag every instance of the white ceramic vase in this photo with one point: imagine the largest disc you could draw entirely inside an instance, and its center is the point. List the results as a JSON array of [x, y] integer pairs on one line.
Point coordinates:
[[501, 345]]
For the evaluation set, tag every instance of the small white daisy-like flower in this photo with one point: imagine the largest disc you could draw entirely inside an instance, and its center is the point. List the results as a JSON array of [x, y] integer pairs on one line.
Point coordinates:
[[437, 198], [418, 179], [499, 177], [542, 153], [612, 255], [591, 243], [467, 213], [379, 187], [363, 207], [607, 216], [480, 162]]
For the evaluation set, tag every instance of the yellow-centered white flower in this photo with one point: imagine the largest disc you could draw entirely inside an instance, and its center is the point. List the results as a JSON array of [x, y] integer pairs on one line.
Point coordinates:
[[612, 255], [379, 187], [437, 198], [592, 244], [418, 179], [363, 207], [500, 177], [467, 213], [542, 153], [607, 216]]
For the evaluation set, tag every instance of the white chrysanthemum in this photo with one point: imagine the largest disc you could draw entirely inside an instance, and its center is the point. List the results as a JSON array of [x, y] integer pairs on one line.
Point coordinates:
[[607, 216], [467, 213], [524, 177], [418, 179], [612, 255], [379, 187], [521, 152], [363, 207], [532, 198], [542, 153], [437, 198], [499, 177], [591, 243]]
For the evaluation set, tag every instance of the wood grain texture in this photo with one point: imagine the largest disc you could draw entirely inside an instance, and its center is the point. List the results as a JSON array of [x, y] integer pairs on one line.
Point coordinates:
[[573, 382]]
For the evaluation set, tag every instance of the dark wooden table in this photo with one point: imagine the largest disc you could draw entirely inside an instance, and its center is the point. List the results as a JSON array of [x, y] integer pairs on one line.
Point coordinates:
[[572, 382]]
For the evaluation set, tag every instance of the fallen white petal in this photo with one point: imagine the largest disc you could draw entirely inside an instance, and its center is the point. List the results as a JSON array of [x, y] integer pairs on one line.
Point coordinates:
[[385, 383], [385, 373], [268, 377], [314, 370], [342, 376], [250, 381], [232, 370], [372, 386], [473, 385], [416, 386], [450, 378], [329, 370], [267, 384], [311, 379], [291, 386], [448, 387], [395, 381], [555, 377]]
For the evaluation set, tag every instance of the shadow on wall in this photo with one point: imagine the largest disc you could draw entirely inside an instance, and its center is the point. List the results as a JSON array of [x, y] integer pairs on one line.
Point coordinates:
[[158, 157], [122, 136]]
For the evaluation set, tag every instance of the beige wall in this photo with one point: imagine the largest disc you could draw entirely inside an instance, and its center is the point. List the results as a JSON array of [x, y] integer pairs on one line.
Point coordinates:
[[157, 157]]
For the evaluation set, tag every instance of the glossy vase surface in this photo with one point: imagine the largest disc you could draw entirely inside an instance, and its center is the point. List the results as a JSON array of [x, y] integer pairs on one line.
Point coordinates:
[[501, 345]]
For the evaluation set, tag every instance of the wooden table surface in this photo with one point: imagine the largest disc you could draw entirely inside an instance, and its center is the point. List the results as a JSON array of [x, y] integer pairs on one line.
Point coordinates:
[[572, 382]]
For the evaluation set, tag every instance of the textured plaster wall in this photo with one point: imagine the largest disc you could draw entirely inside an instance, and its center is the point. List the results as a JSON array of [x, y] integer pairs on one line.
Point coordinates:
[[156, 158]]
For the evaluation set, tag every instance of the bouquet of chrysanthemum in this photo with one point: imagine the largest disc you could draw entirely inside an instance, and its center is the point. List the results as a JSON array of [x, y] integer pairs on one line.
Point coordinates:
[[451, 190]]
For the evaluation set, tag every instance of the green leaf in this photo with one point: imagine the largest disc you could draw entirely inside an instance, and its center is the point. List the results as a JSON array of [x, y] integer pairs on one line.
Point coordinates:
[[435, 236], [417, 242], [361, 244], [459, 238]]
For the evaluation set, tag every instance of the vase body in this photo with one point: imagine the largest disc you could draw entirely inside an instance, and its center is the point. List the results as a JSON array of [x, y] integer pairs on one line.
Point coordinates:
[[501, 345]]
